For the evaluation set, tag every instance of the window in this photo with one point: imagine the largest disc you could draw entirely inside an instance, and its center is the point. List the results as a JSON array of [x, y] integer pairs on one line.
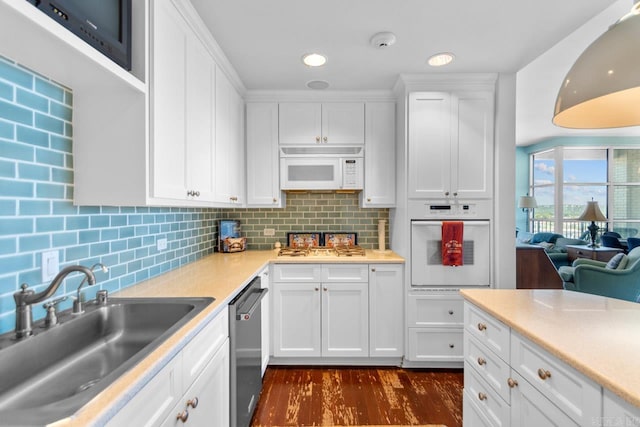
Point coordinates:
[[563, 179]]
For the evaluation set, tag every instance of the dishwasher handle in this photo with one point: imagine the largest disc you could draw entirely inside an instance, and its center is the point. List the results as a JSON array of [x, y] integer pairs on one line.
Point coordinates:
[[256, 298]]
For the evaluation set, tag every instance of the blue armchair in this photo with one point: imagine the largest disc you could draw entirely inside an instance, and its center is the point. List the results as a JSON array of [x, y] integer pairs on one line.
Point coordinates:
[[595, 277]]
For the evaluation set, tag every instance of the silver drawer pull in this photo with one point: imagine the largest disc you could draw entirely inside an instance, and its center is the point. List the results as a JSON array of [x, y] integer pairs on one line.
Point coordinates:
[[512, 383], [482, 326], [544, 374], [482, 396], [481, 361]]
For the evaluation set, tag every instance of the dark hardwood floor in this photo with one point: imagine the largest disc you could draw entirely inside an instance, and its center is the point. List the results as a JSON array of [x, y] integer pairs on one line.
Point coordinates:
[[355, 396]]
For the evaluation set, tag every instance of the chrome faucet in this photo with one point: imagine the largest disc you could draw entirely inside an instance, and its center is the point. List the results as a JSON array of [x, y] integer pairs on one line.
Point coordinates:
[[77, 304], [26, 297]]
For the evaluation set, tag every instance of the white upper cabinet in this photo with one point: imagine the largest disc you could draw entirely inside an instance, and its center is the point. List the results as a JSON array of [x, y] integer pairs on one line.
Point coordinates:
[[182, 102], [451, 144], [229, 147], [380, 156], [304, 123], [263, 164]]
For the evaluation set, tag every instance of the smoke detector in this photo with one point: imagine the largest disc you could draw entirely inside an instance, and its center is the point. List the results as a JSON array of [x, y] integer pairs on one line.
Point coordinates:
[[382, 40], [317, 84]]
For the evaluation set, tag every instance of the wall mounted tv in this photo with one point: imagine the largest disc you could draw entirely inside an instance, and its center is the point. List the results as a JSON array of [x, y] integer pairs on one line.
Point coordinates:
[[104, 24]]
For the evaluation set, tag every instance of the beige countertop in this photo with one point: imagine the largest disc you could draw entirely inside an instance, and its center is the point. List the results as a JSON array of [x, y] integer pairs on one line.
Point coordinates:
[[598, 336], [220, 276]]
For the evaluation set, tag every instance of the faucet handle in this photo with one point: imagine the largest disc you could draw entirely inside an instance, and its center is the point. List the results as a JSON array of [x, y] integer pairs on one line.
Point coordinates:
[[51, 318]]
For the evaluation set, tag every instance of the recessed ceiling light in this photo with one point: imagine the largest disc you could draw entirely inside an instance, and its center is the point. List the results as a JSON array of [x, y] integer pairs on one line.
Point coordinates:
[[440, 59], [314, 59], [318, 84]]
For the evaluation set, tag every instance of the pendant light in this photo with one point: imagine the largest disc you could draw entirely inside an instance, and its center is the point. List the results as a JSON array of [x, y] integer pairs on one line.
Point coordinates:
[[602, 89]]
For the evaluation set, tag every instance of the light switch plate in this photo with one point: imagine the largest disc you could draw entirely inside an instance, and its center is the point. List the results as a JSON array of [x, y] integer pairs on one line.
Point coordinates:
[[269, 231], [50, 265], [161, 244]]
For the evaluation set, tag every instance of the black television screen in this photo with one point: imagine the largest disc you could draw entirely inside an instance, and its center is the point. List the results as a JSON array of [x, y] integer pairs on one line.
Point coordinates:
[[104, 24]]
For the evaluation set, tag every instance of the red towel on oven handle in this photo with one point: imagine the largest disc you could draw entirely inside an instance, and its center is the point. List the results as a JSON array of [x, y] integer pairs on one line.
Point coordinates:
[[452, 235]]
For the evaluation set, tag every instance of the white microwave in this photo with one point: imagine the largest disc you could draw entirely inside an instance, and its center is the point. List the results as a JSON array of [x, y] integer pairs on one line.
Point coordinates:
[[322, 172]]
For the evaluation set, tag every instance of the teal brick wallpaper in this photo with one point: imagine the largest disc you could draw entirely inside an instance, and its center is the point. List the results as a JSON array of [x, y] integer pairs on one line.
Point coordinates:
[[37, 213]]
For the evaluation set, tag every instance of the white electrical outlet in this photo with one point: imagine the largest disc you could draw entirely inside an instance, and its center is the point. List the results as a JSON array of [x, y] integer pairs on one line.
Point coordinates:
[[161, 244], [50, 265], [269, 231]]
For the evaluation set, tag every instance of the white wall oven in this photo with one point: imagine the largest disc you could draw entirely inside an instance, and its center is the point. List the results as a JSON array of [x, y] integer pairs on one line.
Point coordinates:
[[427, 266]]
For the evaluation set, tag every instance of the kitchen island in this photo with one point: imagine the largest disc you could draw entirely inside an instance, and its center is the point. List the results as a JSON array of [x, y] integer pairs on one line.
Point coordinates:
[[221, 276], [590, 339]]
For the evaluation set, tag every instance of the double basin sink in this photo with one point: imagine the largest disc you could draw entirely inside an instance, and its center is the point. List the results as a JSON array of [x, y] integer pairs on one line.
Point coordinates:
[[52, 374]]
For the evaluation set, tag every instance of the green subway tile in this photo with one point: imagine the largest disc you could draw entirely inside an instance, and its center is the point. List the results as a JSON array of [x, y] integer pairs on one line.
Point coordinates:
[[68, 98], [62, 175], [64, 239], [48, 123], [32, 100], [98, 221], [33, 242], [12, 264], [50, 90], [99, 249], [49, 224], [68, 130], [77, 223], [33, 172], [6, 130], [64, 208], [7, 169], [6, 91], [12, 188], [8, 246], [76, 253], [61, 143], [14, 113], [13, 74], [61, 111], [49, 157], [89, 210], [34, 207], [12, 150], [50, 191], [108, 234], [88, 236]]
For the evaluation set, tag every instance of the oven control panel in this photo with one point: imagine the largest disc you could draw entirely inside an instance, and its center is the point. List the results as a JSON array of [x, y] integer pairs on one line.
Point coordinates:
[[478, 209]]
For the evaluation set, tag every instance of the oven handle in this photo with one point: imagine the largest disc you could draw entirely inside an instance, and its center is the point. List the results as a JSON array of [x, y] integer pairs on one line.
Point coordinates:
[[246, 315], [428, 222]]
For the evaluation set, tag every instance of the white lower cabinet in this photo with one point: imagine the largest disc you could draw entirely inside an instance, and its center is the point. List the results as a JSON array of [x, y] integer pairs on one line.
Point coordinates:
[[510, 381], [435, 320], [194, 382], [325, 310], [617, 412]]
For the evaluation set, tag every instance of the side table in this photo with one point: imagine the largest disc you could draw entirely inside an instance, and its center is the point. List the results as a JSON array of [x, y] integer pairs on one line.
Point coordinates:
[[601, 253]]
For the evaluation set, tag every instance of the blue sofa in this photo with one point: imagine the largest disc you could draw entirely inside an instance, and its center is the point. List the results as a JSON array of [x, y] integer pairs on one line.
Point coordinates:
[[620, 281]]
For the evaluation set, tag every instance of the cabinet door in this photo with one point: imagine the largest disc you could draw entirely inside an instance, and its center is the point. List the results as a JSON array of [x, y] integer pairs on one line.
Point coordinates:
[[380, 159], [386, 305], [229, 149], [343, 123], [171, 36], [207, 400], [200, 125], [530, 408], [296, 319], [263, 161], [614, 408], [300, 123], [345, 319], [472, 166], [429, 151]]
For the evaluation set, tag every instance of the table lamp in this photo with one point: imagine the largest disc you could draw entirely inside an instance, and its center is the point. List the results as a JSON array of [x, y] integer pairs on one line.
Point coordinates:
[[592, 213], [527, 202]]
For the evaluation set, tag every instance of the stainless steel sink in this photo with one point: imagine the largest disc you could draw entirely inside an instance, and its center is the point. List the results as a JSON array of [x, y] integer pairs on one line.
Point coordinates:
[[53, 373]]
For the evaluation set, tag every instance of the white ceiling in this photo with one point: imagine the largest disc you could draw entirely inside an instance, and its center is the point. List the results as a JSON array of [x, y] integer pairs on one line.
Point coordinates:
[[265, 39]]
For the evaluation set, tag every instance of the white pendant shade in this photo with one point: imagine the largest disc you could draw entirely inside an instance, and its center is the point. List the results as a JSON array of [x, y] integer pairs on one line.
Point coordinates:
[[602, 89]]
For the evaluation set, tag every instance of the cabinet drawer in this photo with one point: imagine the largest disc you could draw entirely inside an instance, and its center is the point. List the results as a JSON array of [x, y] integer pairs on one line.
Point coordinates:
[[203, 346], [435, 310], [485, 399], [155, 400], [435, 344], [472, 415], [624, 413], [491, 332], [343, 273], [493, 370], [297, 273], [571, 391]]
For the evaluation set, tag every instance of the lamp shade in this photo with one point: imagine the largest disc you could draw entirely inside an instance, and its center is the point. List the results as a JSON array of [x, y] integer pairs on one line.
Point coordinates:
[[602, 89], [592, 213], [527, 202]]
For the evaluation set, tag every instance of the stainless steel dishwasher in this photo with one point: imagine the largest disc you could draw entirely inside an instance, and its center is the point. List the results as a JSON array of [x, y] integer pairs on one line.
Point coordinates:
[[245, 346]]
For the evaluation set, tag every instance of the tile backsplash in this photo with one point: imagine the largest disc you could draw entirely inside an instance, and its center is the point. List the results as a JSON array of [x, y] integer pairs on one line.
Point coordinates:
[[37, 213]]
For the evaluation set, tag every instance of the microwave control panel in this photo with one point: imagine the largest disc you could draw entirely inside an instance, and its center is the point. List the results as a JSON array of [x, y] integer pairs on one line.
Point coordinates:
[[351, 173]]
